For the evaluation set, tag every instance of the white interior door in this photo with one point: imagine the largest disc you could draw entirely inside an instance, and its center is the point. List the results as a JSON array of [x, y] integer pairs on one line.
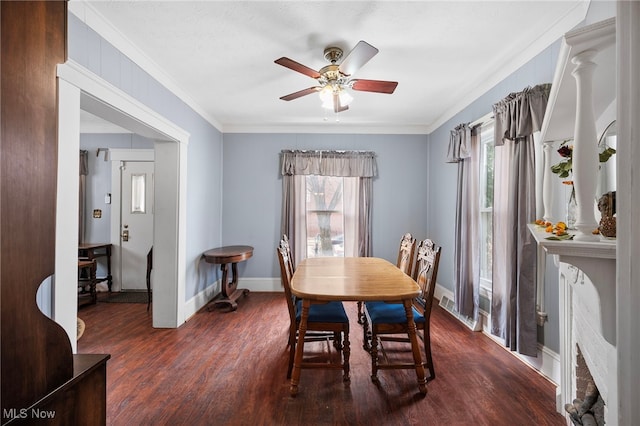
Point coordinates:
[[136, 222]]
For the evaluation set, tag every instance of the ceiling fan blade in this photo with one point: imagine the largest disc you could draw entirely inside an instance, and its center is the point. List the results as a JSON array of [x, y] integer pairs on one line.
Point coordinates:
[[300, 93], [359, 55], [336, 104], [296, 66], [378, 86]]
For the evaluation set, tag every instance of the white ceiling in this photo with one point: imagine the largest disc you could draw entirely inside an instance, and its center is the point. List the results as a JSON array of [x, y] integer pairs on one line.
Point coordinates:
[[219, 55]]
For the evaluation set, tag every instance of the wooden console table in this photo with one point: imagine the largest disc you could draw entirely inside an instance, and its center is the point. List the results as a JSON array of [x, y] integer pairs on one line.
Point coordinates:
[[90, 251], [223, 256]]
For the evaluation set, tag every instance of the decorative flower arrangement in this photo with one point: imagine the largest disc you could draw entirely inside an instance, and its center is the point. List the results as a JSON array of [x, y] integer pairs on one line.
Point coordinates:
[[564, 168]]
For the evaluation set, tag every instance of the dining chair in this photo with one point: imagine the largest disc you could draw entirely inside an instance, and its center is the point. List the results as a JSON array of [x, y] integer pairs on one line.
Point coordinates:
[[406, 253], [326, 322], [388, 320], [287, 246]]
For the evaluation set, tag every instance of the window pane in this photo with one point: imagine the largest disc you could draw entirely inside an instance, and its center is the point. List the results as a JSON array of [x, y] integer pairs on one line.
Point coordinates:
[[486, 167], [486, 201], [325, 220], [138, 193], [486, 246]]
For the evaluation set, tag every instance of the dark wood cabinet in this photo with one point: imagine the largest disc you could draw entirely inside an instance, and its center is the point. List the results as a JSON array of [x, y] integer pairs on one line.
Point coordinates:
[[38, 369]]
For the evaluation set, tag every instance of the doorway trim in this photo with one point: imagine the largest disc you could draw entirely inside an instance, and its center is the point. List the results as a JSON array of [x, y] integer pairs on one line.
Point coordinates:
[[83, 89]]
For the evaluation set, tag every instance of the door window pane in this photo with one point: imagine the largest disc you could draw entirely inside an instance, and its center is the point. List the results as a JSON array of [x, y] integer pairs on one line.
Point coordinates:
[[138, 193]]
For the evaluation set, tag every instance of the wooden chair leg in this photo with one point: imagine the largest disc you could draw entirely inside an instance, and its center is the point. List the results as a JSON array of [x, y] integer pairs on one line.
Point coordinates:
[[361, 316], [374, 357], [427, 351], [346, 353], [292, 352], [366, 335]]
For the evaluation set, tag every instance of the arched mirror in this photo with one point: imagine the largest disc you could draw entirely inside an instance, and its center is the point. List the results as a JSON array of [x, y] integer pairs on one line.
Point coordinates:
[[607, 146], [606, 185]]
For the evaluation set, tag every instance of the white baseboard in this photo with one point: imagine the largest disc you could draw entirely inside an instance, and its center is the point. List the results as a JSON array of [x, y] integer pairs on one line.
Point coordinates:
[[547, 363]]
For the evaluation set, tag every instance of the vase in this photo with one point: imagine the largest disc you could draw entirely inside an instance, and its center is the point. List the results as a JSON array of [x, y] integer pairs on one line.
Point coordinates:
[[572, 210]]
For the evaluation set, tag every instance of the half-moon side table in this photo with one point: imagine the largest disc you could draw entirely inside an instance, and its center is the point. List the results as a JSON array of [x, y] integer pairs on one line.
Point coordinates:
[[223, 256]]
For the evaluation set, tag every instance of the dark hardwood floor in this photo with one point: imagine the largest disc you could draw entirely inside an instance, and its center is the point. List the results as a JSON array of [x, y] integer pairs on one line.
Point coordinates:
[[230, 369]]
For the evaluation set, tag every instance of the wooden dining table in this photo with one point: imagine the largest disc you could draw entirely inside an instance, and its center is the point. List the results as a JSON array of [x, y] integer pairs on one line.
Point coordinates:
[[324, 279]]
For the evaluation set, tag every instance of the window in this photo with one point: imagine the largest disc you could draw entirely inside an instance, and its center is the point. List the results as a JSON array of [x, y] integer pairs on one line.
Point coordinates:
[[325, 216], [486, 204], [326, 202]]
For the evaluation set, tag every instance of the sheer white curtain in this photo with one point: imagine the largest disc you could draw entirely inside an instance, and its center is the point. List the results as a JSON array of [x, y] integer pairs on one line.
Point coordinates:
[[513, 303], [356, 167], [464, 149]]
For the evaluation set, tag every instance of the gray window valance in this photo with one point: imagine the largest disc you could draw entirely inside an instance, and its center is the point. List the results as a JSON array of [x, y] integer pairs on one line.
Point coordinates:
[[520, 114], [459, 143], [328, 163]]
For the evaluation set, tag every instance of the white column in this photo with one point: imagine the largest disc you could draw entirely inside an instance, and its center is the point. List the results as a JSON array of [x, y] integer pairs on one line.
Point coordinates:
[[547, 176], [585, 147]]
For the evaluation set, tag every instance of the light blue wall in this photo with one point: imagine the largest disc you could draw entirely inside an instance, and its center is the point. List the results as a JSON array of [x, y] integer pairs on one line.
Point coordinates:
[[253, 190], [204, 158]]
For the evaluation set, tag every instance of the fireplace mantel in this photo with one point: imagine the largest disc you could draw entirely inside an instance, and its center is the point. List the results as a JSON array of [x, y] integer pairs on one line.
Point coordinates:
[[597, 259]]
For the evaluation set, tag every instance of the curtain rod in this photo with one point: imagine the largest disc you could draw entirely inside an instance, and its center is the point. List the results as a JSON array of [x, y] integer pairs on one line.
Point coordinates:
[[482, 120], [320, 151]]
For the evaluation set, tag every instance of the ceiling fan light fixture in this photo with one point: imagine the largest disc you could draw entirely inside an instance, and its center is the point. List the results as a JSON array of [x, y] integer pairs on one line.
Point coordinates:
[[345, 97], [326, 96], [327, 92], [334, 81]]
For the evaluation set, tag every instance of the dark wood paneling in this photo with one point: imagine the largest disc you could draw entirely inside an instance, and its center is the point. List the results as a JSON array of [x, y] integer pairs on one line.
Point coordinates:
[[36, 352]]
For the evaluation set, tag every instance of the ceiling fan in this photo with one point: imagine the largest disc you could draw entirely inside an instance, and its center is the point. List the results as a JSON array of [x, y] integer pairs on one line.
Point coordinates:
[[334, 79]]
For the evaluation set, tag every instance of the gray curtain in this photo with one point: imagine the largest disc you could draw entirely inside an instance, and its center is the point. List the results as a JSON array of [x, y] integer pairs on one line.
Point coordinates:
[[84, 170], [464, 149], [513, 303], [364, 205], [361, 164]]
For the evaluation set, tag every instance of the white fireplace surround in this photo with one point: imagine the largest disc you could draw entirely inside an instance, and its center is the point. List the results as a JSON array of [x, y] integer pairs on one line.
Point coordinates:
[[582, 326]]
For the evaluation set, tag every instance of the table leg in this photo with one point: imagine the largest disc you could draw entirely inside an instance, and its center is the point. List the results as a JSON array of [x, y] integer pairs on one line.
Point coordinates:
[[229, 291], [297, 361], [415, 347]]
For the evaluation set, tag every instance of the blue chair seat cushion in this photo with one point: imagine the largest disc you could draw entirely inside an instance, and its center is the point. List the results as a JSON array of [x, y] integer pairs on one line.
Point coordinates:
[[329, 312], [390, 313]]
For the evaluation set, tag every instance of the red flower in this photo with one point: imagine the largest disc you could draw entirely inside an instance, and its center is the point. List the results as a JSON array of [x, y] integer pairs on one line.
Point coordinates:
[[565, 151]]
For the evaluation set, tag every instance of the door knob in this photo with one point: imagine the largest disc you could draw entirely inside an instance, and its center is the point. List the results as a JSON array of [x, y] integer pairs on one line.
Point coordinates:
[[125, 235]]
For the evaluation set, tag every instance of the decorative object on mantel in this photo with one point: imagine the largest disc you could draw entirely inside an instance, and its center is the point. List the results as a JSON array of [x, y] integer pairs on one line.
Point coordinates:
[[607, 207], [558, 231], [564, 170]]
